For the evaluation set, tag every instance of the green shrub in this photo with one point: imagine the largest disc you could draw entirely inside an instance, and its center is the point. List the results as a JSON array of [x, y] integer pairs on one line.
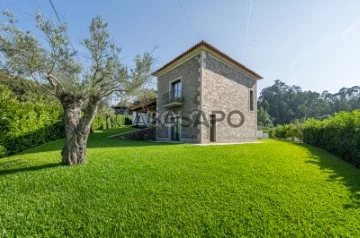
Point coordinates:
[[27, 124], [339, 135], [114, 121], [2, 151], [117, 121], [291, 132], [99, 123]]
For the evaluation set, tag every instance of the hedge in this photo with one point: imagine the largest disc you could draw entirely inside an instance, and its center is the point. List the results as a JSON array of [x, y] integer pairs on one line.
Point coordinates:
[[289, 132], [27, 124], [114, 121], [340, 135]]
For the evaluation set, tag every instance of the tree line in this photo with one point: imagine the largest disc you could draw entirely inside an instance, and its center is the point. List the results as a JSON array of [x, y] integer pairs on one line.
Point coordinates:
[[282, 104]]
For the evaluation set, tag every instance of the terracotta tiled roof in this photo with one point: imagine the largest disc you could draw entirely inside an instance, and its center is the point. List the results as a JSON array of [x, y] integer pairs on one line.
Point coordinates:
[[207, 45]]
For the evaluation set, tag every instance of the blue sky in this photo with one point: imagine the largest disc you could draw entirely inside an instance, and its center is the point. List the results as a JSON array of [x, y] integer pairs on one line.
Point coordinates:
[[313, 44]]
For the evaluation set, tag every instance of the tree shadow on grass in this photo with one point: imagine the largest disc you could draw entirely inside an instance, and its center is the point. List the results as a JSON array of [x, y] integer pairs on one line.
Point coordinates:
[[339, 171], [27, 169], [94, 144], [97, 140]]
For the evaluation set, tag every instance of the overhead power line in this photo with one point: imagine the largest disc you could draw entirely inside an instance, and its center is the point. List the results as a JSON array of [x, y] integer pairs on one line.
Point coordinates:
[[36, 4], [56, 13], [58, 18], [188, 18]]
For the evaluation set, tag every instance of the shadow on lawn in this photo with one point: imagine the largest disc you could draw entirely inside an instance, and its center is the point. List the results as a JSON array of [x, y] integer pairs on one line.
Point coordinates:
[[53, 143], [96, 141], [27, 169], [339, 171]]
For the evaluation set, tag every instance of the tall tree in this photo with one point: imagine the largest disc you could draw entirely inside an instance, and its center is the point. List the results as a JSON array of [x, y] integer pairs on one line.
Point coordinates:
[[106, 112], [144, 96], [263, 118], [284, 103], [78, 87]]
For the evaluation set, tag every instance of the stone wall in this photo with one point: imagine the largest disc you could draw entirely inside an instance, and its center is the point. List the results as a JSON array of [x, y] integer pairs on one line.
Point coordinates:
[[226, 89], [143, 134], [188, 73]]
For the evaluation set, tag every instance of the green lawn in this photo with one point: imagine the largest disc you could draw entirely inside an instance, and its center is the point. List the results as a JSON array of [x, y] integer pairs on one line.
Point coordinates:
[[143, 189]]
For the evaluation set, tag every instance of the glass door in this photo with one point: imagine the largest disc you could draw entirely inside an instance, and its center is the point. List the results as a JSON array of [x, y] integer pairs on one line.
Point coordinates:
[[175, 91], [175, 129]]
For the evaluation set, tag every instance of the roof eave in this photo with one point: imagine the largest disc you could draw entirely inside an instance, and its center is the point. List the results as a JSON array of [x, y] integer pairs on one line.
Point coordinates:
[[204, 45]]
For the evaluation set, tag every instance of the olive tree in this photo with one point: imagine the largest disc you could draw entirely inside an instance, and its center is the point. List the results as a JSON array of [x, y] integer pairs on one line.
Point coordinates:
[[53, 64]]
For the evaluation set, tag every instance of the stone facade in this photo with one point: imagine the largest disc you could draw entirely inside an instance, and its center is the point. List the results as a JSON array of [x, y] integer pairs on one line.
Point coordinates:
[[142, 134], [226, 89], [210, 84], [188, 74]]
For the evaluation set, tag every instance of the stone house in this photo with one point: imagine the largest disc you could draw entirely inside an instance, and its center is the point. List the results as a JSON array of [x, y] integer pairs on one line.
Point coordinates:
[[206, 96]]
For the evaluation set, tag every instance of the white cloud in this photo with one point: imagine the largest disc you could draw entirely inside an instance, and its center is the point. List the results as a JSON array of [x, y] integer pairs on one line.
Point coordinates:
[[324, 40], [298, 59], [349, 29]]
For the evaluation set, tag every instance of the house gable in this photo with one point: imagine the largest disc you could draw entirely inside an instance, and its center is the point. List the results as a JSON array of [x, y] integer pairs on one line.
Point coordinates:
[[203, 46]]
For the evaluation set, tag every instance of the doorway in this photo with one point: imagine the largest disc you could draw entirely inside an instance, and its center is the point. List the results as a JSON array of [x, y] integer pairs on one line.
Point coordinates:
[[175, 129]]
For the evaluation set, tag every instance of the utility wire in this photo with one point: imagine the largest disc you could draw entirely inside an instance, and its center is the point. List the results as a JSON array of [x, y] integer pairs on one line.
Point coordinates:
[[57, 16], [33, 5], [36, 7], [36, 4], [56, 13], [188, 18]]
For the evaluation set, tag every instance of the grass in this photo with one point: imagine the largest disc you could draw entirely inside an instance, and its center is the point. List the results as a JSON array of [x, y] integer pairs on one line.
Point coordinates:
[[143, 189]]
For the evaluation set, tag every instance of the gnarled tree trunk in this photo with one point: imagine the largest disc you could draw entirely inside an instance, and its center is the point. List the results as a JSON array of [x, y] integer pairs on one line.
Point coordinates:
[[77, 128]]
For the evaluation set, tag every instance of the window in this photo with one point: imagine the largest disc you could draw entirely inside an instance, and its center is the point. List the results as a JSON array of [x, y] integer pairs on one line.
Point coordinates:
[[212, 128], [176, 91], [251, 100]]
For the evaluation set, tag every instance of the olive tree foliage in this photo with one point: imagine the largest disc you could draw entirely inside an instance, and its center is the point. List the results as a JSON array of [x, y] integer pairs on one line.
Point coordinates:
[[52, 63]]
